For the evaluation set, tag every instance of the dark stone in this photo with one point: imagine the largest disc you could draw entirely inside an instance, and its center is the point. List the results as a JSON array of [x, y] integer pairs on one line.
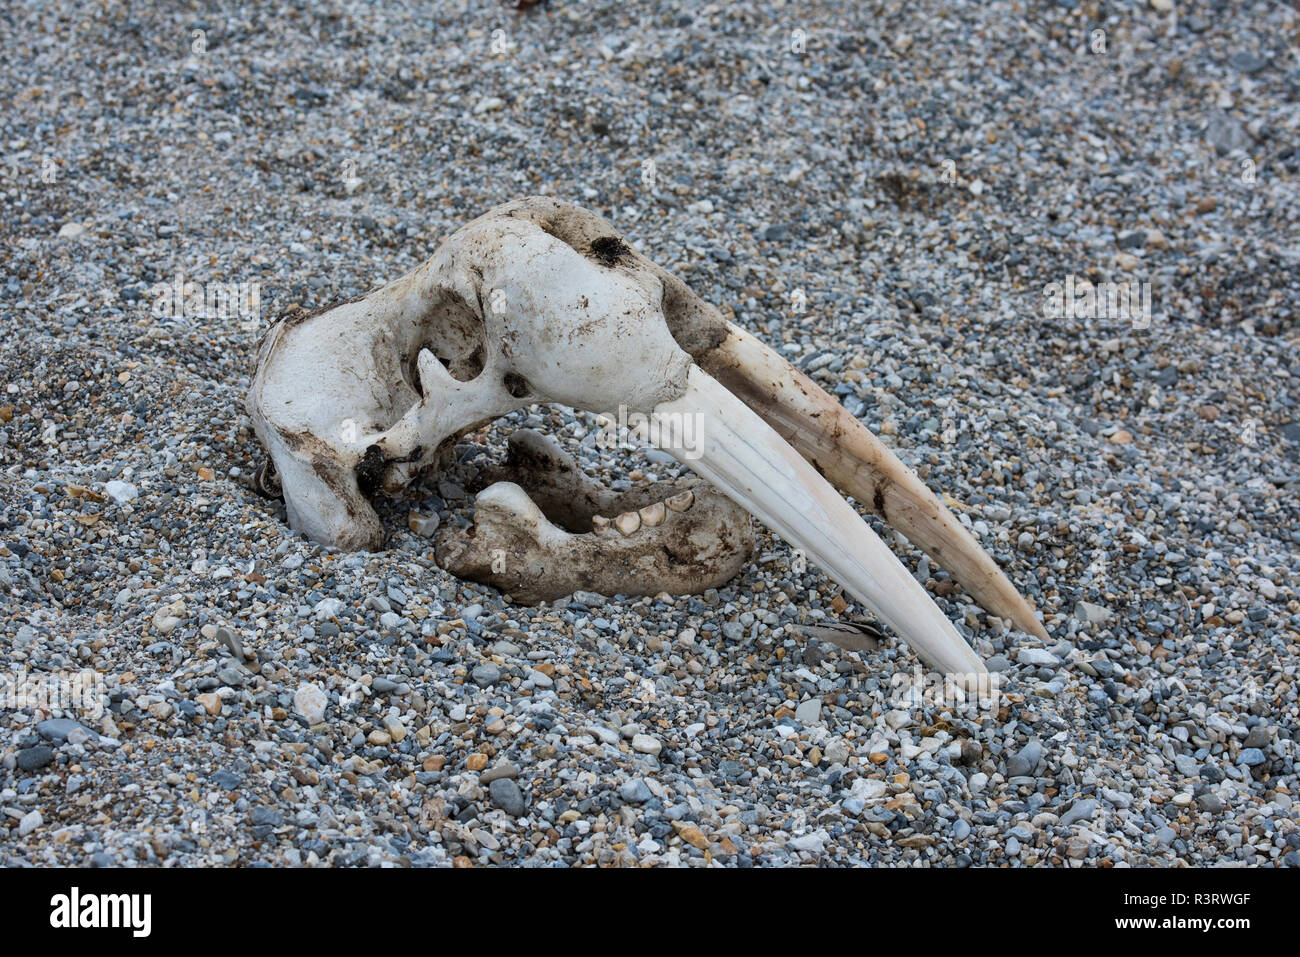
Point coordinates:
[[731, 769], [1247, 62], [226, 779], [58, 729], [33, 759], [265, 816], [506, 795]]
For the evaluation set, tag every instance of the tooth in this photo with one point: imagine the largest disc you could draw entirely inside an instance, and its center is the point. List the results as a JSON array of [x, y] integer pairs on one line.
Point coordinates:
[[628, 522], [681, 502], [853, 459], [599, 523], [746, 459], [653, 515]]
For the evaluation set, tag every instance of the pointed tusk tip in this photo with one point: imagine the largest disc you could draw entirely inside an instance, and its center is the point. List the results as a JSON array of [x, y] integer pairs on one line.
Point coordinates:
[[1033, 627]]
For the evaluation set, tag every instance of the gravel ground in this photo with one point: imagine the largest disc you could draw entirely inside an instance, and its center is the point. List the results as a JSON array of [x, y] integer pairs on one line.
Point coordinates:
[[881, 190]]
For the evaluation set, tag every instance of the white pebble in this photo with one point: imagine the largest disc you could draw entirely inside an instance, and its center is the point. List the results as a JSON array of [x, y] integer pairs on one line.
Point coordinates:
[[121, 492], [310, 702]]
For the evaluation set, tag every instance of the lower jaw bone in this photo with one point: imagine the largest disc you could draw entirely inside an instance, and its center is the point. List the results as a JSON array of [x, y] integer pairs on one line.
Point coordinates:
[[638, 547]]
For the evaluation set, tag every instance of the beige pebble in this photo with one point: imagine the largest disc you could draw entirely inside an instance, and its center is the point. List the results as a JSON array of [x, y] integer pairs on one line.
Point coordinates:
[[692, 835]]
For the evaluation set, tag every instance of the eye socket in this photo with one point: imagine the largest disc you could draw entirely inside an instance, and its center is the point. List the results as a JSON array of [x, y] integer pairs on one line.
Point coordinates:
[[455, 334], [516, 385]]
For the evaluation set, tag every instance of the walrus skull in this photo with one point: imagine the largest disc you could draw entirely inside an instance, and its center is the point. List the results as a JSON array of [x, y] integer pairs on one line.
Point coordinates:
[[540, 301]]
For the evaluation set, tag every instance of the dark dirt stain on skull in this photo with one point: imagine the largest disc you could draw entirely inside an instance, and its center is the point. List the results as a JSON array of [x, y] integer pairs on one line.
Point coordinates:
[[370, 470], [609, 250], [878, 496]]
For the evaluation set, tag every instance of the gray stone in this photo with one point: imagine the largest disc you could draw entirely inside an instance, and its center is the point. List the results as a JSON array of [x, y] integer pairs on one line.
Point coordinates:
[[33, 759], [1026, 760], [1211, 772], [1038, 656], [731, 769], [1251, 757], [808, 843], [1093, 614], [1225, 133], [809, 712], [1081, 811], [265, 816], [1243, 61], [635, 791], [506, 795], [228, 638], [58, 729], [606, 735], [1260, 736], [1186, 765], [1209, 801], [226, 779]]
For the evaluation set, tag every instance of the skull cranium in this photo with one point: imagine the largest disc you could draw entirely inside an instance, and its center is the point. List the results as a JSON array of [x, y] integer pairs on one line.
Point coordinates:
[[540, 301]]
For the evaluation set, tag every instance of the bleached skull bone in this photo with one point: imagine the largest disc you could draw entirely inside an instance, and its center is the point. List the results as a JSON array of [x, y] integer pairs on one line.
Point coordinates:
[[541, 301]]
